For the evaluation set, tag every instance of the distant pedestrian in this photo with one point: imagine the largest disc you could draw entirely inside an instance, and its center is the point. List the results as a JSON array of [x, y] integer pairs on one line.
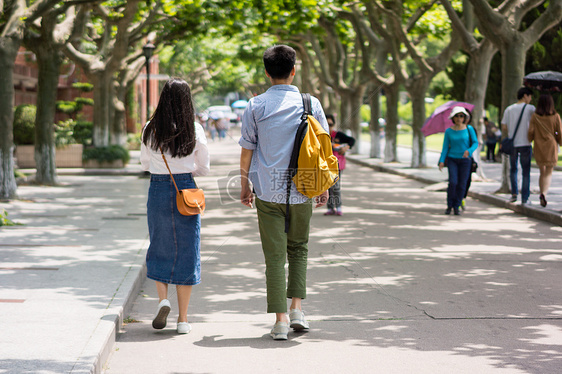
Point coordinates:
[[341, 143], [472, 162], [222, 125], [545, 129], [269, 126], [173, 256], [519, 113], [459, 143], [491, 139]]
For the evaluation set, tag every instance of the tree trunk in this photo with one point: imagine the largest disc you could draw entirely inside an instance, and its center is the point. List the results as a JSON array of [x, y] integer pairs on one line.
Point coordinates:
[[513, 70], [49, 62], [345, 110], [8, 52], [118, 127], [103, 85], [356, 101], [476, 82], [417, 93], [374, 125], [392, 97]]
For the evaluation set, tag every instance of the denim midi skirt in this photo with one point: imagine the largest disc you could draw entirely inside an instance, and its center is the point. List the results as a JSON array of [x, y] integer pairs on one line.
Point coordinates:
[[173, 256]]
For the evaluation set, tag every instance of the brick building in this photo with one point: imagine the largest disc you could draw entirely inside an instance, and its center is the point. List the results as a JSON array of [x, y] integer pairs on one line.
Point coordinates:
[[25, 85]]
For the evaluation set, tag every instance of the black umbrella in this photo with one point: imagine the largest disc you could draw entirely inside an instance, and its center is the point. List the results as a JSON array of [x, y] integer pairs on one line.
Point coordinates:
[[550, 81]]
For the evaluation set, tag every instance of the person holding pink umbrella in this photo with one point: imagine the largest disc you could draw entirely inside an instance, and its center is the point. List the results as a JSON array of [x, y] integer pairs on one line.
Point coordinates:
[[459, 143]]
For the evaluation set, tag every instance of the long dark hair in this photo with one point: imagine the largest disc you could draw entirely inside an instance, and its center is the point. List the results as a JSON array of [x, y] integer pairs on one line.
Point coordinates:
[[545, 106], [172, 126]]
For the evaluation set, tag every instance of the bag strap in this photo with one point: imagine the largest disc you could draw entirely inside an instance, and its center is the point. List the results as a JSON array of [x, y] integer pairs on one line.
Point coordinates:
[[519, 121], [170, 171], [293, 164]]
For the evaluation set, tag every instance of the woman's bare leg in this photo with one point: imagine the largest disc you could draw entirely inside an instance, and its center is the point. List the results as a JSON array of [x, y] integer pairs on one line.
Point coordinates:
[[545, 178], [184, 294], [162, 289]]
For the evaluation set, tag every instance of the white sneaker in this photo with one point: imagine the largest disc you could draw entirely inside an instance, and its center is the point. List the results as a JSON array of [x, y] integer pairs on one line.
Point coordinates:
[[159, 322], [298, 322], [184, 328], [280, 331]]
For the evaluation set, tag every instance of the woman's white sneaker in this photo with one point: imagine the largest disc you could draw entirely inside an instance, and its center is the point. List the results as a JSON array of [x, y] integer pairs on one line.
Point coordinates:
[[159, 322], [184, 328], [298, 322]]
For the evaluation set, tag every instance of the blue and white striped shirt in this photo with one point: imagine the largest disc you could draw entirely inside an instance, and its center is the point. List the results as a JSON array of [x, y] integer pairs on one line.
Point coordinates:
[[269, 126]]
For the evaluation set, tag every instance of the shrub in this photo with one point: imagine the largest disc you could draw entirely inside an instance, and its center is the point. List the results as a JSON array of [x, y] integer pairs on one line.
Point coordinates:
[[83, 132], [67, 107], [84, 101], [63, 132], [24, 124], [83, 86], [134, 141], [106, 154]]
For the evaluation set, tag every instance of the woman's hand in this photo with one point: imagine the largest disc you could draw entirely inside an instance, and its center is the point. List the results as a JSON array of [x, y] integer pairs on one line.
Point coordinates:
[[441, 166], [465, 154]]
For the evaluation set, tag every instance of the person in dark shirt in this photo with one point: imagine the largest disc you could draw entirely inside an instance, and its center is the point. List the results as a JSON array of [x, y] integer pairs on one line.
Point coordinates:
[[341, 143]]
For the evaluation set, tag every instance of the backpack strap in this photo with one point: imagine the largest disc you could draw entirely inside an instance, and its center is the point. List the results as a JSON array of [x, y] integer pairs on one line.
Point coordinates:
[[307, 104], [293, 164], [518, 121]]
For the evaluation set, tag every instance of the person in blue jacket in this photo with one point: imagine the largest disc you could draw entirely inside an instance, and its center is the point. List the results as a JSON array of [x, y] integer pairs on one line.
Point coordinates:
[[459, 143]]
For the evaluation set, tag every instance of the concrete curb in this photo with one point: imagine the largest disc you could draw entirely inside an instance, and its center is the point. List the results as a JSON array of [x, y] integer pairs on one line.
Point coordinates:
[[102, 341], [526, 210]]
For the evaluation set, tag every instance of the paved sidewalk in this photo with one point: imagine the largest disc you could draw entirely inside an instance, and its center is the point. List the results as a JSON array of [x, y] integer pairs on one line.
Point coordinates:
[[67, 274], [482, 189], [74, 271], [394, 287]]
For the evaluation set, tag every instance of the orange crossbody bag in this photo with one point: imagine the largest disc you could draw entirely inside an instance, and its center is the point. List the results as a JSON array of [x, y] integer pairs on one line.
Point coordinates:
[[190, 201]]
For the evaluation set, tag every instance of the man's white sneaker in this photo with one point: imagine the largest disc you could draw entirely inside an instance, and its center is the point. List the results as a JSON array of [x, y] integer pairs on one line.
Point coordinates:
[[159, 322], [184, 328], [280, 331], [298, 322]]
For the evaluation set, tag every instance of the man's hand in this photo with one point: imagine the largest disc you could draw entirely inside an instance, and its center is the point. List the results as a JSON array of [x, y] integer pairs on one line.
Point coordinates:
[[322, 199], [246, 195]]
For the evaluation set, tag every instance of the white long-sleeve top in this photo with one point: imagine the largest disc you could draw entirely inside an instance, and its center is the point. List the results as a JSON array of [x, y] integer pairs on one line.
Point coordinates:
[[197, 163]]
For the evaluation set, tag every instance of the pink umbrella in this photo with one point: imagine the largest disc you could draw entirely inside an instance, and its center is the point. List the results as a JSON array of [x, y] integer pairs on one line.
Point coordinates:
[[439, 120]]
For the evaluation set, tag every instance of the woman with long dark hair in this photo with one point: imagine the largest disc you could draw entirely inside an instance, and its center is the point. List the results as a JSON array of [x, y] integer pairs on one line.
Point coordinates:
[[173, 256], [545, 131]]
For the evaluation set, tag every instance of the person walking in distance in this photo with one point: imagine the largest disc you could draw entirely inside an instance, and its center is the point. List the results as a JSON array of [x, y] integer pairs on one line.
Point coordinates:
[[545, 130], [458, 145], [519, 114], [269, 126], [173, 256], [341, 143], [491, 140]]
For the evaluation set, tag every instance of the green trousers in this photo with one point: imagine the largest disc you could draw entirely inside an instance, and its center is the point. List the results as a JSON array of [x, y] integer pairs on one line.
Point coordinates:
[[279, 246]]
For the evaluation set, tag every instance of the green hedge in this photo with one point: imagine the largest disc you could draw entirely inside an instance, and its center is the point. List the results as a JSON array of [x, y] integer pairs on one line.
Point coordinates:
[[106, 154], [24, 124]]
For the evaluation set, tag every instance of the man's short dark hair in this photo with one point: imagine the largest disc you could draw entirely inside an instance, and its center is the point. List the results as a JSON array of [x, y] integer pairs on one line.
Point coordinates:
[[279, 61], [523, 91]]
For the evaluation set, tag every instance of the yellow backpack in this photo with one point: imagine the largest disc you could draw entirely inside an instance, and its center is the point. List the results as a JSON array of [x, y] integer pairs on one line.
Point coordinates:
[[313, 167]]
